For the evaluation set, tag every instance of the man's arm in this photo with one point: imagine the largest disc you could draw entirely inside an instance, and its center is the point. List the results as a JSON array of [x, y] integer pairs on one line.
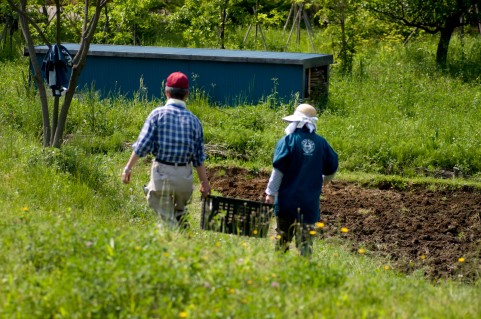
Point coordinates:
[[127, 172], [204, 181]]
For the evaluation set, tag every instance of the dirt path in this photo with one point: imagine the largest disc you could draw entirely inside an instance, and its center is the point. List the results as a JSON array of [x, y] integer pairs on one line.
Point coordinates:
[[417, 229]]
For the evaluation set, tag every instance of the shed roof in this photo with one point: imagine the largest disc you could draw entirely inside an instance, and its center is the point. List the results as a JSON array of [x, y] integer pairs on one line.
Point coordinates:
[[306, 59]]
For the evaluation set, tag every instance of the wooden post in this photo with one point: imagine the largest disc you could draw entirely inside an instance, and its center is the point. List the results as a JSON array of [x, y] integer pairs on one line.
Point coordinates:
[[298, 13], [309, 28], [291, 12], [258, 28]]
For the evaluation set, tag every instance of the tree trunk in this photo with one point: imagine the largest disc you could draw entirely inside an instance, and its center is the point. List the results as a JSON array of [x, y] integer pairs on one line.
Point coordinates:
[[476, 7], [58, 137], [223, 18], [445, 38], [37, 77], [62, 119], [56, 102], [299, 12], [107, 20]]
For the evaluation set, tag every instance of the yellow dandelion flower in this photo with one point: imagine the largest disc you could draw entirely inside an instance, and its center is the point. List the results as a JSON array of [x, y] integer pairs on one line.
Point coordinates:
[[166, 254], [249, 282], [278, 236], [361, 251], [25, 209], [387, 267], [461, 260], [312, 232], [183, 314], [217, 244], [319, 225], [244, 244], [254, 232], [344, 230], [232, 291], [422, 257]]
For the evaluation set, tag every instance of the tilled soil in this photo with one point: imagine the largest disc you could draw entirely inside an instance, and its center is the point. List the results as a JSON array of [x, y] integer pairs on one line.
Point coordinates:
[[416, 229]]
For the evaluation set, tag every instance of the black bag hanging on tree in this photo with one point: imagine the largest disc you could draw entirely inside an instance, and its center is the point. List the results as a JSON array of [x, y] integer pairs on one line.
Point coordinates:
[[55, 68]]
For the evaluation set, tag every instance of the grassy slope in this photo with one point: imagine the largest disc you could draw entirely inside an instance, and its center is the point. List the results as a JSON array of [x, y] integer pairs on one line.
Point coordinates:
[[69, 251], [77, 244]]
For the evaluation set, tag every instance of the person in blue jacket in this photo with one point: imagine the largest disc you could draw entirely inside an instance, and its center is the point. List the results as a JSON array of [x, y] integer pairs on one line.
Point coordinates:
[[303, 161]]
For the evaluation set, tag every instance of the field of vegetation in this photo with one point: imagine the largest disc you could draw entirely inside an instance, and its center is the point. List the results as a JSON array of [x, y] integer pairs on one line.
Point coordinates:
[[76, 243]]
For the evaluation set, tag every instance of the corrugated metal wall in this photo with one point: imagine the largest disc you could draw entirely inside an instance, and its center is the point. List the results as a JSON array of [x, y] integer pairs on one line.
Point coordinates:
[[228, 77]]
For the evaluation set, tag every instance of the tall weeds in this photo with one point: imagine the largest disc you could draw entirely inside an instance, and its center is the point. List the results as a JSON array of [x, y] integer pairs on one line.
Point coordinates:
[[396, 114]]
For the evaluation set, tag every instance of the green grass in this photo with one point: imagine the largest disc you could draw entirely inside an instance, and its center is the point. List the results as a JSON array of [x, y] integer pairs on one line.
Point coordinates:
[[76, 243], [69, 251]]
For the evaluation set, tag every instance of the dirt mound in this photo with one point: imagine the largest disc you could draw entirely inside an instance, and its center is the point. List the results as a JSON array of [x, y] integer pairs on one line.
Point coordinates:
[[437, 232]]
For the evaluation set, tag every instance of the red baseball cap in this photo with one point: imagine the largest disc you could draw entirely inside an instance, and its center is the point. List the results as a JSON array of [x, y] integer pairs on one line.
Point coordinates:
[[177, 80]]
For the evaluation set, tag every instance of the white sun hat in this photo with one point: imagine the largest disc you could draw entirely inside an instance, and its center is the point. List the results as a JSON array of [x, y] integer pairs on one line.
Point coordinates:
[[302, 112], [305, 114]]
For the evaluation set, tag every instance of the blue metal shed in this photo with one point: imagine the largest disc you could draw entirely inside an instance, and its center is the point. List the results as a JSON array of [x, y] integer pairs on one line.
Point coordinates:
[[228, 77]]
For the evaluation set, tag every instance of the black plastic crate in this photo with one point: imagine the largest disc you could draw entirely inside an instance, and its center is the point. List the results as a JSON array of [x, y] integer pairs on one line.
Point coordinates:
[[236, 216]]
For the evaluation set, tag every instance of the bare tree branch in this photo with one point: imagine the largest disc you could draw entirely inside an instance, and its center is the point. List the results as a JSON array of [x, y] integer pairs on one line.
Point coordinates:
[[81, 50]]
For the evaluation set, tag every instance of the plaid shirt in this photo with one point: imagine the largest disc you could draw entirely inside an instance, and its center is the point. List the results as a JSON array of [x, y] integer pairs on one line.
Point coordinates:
[[172, 134]]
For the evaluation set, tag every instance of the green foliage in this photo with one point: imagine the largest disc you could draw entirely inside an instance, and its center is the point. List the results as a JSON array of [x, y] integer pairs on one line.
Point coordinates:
[[271, 19], [434, 17], [422, 115], [135, 22], [200, 23], [430, 15], [342, 19], [10, 39]]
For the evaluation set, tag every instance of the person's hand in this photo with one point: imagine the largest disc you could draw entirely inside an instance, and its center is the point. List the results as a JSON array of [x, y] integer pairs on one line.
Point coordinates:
[[126, 174], [205, 189], [270, 199]]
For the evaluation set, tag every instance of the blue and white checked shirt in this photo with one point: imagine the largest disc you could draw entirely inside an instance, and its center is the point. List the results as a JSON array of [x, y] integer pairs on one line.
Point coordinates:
[[172, 134]]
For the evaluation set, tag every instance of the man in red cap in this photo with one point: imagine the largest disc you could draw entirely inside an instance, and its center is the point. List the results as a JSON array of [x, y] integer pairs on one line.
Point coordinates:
[[175, 137]]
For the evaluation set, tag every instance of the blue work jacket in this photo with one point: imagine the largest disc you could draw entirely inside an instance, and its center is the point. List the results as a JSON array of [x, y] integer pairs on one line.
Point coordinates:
[[303, 158]]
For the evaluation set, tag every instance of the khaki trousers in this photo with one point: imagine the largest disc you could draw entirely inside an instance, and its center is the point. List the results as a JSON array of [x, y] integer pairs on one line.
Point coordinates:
[[169, 191]]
